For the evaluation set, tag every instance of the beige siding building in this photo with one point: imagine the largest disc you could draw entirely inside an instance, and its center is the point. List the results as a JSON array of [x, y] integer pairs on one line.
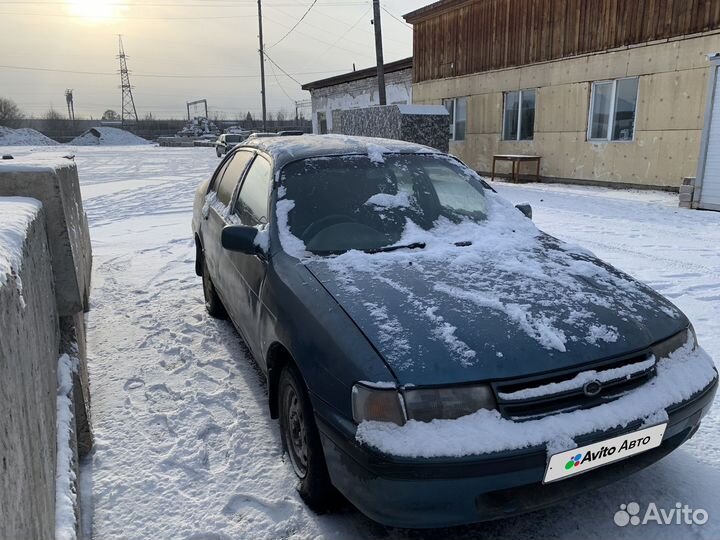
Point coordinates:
[[630, 114]]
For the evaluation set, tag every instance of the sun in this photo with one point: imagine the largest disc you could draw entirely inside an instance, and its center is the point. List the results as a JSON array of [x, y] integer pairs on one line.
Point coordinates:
[[93, 10]]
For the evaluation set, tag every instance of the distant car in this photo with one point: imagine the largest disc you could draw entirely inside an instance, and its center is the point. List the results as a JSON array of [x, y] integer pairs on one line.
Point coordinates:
[[429, 352], [226, 142]]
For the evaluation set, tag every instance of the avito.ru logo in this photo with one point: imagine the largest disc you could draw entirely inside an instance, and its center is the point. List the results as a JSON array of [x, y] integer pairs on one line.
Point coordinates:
[[682, 514]]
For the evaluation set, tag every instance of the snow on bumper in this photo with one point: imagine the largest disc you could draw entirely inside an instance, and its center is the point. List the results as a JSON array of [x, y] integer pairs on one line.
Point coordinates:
[[680, 376]]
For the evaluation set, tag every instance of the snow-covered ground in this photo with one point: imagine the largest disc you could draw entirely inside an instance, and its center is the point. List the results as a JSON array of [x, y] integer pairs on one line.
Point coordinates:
[[185, 446]]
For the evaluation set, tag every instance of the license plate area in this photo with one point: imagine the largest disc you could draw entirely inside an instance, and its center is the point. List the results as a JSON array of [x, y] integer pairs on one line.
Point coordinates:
[[586, 458]]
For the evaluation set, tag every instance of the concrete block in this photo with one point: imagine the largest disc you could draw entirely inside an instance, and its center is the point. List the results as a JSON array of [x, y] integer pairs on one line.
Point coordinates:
[[687, 189], [685, 197], [29, 345], [55, 184]]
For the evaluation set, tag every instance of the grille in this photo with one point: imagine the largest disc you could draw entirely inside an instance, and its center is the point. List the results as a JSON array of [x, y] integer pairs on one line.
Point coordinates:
[[534, 397]]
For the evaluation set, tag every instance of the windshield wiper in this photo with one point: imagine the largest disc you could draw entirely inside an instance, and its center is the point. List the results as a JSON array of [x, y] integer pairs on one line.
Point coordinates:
[[414, 245]]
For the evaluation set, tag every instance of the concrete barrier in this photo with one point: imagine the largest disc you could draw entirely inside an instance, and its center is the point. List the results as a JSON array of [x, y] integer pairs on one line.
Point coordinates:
[[29, 345], [45, 269], [55, 184], [422, 124]]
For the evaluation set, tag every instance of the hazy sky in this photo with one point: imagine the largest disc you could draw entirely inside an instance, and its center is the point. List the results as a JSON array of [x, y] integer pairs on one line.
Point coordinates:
[[208, 47]]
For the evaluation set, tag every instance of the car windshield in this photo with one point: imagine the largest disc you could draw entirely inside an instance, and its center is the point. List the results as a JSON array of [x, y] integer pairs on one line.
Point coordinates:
[[355, 202], [233, 138]]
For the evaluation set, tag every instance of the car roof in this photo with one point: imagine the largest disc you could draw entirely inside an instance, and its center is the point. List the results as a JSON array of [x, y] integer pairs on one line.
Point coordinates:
[[284, 150]]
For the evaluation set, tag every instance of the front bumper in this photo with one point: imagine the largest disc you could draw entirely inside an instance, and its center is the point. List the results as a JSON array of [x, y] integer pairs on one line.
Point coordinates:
[[443, 492]]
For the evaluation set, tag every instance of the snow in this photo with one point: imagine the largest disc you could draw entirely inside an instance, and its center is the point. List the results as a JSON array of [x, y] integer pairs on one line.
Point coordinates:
[[386, 200], [185, 446], [23, 137], [16, 215], [107, 136], [65, 495], [375, 152], [579, 380], [423, 109], [505, 269], [679, 376]]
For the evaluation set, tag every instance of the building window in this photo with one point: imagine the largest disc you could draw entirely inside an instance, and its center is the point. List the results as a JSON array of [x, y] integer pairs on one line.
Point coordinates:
[[519, 116], [322, 122], [457, 107], [613, 105]]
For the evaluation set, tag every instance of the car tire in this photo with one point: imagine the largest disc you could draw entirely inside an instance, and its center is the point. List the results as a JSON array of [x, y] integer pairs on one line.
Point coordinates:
[[213, 304], [218, 152], [301, 442]]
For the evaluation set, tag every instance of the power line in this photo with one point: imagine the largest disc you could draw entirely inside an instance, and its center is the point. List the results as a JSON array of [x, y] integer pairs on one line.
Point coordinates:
[[280, 85], [365, 14], [162, 76], [398, 19], [125, 17], [295, 25], [281, 69]]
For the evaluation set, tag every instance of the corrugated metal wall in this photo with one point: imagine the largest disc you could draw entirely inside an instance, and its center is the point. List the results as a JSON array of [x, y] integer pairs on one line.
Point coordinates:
[[491, 34]]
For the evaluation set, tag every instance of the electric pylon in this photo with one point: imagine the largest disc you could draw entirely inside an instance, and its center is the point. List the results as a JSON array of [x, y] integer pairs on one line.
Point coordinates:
[[128, 103]]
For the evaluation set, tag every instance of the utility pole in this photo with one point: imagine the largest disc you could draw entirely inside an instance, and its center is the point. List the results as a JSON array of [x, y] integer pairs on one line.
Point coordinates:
[[378, 52], [128, 103], [70, 105], [262, 66]]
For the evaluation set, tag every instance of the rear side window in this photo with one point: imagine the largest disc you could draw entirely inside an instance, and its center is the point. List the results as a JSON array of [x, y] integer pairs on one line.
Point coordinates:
[[252, 203], [231, 176]]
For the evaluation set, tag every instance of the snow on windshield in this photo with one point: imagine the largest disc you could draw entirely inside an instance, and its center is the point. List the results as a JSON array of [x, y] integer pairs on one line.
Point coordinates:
[[550, 291]]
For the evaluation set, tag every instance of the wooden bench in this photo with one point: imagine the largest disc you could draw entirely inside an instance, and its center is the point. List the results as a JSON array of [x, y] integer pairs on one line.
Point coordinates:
[[516, 160]]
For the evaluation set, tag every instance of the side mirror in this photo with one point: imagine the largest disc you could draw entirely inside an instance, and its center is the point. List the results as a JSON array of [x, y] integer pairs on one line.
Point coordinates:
[[526, 209], [240, 238]]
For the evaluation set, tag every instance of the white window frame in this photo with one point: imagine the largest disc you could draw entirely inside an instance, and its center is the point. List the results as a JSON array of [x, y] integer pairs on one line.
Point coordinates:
[[611, 118], [454, 116], [519, 120]]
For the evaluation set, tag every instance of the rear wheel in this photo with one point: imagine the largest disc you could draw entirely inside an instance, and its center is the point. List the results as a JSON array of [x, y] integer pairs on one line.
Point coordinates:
[[213, 304], [301, 441], [218, 151]]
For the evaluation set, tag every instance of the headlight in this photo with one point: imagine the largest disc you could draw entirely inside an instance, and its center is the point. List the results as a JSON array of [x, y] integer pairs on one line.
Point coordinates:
[[670, 345], [377, 404], [430, 404]]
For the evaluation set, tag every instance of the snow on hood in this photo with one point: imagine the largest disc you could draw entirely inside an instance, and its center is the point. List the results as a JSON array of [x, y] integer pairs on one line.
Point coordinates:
[[511, 293], [681, 375]]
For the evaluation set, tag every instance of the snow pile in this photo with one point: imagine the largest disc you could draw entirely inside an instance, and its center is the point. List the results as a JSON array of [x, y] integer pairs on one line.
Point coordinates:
[[16, 215], [109, 136], [681, 375], [24, 137], [65, 494]]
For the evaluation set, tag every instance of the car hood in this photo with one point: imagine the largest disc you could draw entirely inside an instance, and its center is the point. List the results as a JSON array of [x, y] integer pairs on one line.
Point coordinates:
[[471, 315]]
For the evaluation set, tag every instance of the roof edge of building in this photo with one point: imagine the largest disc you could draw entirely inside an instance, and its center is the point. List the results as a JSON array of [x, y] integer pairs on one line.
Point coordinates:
[[390, 67], [434, 9]]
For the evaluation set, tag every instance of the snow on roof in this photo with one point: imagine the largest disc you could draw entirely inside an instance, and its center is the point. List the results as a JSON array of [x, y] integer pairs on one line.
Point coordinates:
[[423, 109], [16, 215], [24, 137], [108, 136], [286, 149]]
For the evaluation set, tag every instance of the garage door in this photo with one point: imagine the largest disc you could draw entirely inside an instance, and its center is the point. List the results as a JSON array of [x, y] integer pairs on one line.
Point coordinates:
[[710, 189]]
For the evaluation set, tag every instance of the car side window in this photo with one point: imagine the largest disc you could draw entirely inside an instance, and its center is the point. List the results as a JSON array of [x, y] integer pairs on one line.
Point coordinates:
[[232, 174], [252, 203]]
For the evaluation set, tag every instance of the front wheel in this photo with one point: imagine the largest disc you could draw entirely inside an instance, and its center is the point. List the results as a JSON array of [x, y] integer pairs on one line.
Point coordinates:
[[218, 152], [301, 441]]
